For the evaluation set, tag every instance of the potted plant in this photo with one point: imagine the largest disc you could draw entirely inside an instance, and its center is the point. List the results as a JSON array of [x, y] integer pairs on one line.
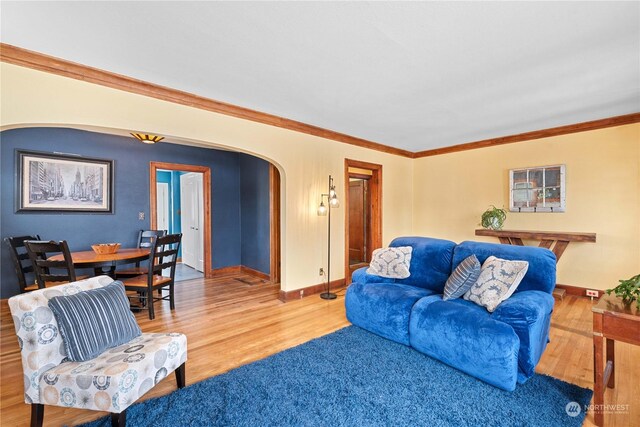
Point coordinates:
[[493, 218], [628, 290]]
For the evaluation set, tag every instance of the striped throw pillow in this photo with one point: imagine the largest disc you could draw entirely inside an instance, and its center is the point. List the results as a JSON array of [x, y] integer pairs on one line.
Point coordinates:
[[93, 321], [462, 279]]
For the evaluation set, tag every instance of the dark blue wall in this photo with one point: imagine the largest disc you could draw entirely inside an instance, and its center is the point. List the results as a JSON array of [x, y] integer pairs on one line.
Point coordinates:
[[254, 213], [131, 194]]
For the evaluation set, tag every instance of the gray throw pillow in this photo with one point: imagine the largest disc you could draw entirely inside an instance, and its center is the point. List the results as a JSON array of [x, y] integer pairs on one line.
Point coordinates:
[[462, 279], [392, 263], [498, 279], [93, 321]]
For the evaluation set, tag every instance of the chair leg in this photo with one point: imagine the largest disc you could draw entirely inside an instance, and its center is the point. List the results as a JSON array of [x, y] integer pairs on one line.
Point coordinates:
[[152, 314], [180, 375], [119, 420], [37, 414], [172, 301]]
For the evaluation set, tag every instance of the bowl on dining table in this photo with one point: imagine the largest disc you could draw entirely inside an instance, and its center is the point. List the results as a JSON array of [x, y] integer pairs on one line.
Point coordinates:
[[105, 248]]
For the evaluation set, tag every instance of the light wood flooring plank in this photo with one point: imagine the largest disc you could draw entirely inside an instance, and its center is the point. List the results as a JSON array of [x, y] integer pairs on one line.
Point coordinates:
[[229, 323]]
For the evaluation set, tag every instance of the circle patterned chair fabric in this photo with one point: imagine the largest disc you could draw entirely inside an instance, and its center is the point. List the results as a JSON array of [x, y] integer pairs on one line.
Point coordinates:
[[110, 382]]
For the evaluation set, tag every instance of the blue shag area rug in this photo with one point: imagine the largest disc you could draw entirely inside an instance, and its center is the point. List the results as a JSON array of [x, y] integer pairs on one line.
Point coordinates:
[[355, 378]]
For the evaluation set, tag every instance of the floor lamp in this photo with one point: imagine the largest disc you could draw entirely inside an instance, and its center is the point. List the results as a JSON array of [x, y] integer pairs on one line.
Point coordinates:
[[332, 203]]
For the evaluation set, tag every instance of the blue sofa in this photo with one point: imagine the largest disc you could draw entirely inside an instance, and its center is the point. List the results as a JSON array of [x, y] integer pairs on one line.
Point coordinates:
[[501, 348]]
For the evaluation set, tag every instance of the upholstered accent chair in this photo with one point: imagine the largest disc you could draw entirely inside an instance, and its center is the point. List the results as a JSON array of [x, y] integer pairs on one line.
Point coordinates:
[[110, 382]]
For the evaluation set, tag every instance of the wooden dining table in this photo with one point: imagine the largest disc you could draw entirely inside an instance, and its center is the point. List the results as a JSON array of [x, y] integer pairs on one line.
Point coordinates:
[[90, 259]]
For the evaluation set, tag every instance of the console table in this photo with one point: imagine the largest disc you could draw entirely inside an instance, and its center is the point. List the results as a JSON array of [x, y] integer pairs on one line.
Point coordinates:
[[614, 321], [556, 241]]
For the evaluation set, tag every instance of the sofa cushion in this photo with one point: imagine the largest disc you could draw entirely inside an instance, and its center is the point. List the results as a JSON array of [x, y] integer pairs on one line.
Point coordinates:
[[383, 308], [392, 263], [361, 275], [118, 377], [463, 335], [498, 279], [93, 321], [541, 275], [462, 279], [430, 262], [529, 314]]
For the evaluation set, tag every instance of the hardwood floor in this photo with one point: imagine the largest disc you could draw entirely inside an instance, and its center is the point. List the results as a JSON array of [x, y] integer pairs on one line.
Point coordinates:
[[231, 322]]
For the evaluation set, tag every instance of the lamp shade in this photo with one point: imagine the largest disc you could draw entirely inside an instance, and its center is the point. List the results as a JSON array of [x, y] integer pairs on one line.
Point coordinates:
[[322, 209], [147, 138], [334, 202]]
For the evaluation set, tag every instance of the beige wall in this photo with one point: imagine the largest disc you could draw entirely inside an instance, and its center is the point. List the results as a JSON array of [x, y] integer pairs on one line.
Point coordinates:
[[32, 97], [603, 196], [441, 196]]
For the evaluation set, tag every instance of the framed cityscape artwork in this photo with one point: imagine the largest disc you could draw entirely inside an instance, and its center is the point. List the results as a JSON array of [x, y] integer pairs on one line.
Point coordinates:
[[63, 183]]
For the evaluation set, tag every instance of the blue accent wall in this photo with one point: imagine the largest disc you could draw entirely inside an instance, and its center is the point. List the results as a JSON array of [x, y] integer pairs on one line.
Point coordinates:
[[175, 200], [239, 234], [254, 213]]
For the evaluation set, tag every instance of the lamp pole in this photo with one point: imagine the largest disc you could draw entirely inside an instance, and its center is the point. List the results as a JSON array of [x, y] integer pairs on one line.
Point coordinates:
[[332, 201]]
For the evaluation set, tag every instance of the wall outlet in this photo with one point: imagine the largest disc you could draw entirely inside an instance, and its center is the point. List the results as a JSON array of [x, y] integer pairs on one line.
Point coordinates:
[[321, 272], [591, 293], [301, 293], [141, 216]]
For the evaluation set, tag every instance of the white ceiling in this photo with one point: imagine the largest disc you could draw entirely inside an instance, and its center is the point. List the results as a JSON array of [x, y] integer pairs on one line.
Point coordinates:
[[413, 75]]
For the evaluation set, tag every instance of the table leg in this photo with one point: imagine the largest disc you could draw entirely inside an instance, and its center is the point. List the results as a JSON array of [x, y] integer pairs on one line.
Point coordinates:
[[110, 271], [598, 374], [559, 248], [611, 358]]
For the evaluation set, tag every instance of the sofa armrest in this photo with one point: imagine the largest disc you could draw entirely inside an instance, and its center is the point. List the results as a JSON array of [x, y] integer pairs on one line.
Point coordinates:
[[361, 276], [529, 314]]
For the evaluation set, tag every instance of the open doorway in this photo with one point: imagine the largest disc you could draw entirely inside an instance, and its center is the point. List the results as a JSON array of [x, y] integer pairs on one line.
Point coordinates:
[[191, 213], [259, 218], [363, 210], [181, 203]]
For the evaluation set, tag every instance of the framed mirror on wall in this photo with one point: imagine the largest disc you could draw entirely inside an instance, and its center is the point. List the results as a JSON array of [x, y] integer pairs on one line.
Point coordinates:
[[537, 189]]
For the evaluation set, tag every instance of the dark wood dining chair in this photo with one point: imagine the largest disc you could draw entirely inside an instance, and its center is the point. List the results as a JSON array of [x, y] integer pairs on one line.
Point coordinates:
[[145, 240], [163, 255], [22, 263], [48, 271]]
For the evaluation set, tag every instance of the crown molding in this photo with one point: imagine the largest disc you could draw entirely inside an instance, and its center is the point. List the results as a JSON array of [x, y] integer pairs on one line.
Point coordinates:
[[536, 134], [61, 67]]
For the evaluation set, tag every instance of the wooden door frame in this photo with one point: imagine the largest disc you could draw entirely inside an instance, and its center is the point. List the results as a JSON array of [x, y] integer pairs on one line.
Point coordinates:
[[375, 197], [206, 196], [274, 220]]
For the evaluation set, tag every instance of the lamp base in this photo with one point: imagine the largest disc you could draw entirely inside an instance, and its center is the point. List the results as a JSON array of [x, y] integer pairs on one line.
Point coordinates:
[[328, 295]]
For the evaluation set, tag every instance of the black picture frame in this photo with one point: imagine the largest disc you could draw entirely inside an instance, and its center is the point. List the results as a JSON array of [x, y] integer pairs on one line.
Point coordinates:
[[56, 182]]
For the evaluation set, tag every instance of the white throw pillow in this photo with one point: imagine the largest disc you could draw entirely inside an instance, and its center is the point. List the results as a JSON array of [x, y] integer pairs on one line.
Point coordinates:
[[392, 263], [498, 279]]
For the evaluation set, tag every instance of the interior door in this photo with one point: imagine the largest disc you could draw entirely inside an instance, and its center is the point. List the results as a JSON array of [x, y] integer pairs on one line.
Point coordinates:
[[357, 221], [162, 210], [191, 205]]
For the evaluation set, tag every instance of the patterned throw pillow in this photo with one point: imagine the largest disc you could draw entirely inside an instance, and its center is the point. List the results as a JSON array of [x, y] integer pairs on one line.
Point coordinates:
[[93, 321], [498, 279], [462, 279], [392, 263]]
